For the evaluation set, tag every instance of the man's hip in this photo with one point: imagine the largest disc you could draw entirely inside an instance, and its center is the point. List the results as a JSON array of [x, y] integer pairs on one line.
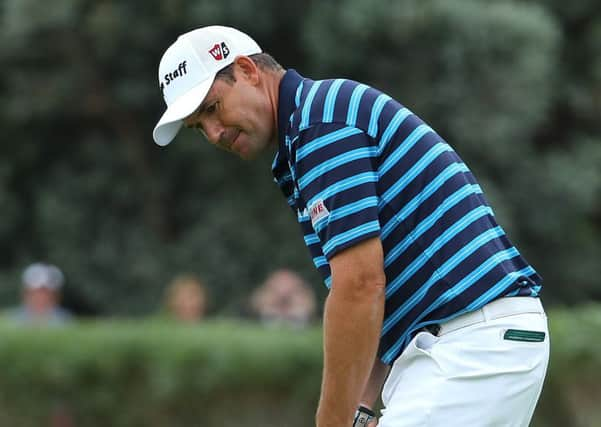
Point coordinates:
[[483, 368]]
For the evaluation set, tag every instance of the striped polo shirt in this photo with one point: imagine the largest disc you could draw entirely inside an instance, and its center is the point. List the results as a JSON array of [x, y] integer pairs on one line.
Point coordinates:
[[355, 164]]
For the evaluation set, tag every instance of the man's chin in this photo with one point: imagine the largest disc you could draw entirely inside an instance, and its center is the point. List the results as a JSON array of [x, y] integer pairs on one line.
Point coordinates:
[[245, 152], [251, 152]]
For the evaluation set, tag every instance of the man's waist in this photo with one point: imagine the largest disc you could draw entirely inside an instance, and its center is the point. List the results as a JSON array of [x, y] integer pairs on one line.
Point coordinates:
[[497, 309]]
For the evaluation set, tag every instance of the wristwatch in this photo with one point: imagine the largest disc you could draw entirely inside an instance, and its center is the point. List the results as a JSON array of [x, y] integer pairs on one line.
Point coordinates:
[[363, 416]]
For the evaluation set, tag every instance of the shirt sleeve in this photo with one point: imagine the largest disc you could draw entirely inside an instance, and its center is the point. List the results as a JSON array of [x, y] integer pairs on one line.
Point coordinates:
[[337, 176]]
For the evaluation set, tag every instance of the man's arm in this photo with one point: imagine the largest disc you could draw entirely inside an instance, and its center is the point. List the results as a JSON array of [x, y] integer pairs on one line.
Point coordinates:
[[372, 390], [353, 317]]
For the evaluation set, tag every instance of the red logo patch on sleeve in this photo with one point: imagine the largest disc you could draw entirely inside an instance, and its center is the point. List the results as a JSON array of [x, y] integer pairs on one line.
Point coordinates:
[[318, 211]]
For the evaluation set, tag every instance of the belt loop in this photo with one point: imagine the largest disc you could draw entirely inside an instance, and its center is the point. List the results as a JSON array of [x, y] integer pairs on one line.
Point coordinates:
[[485, 313]]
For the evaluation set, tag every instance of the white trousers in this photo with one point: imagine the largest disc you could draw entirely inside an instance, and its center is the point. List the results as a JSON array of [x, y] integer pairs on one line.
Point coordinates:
[[481, 370]]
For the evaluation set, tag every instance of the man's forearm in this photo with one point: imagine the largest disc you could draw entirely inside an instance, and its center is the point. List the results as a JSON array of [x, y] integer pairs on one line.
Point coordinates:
[[352, 325], [373, 388]]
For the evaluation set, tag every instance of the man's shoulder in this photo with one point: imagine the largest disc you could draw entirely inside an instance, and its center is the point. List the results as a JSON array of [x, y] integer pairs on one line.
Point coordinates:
[[22, 315], [341, 101], [13, 312], [318, 92]]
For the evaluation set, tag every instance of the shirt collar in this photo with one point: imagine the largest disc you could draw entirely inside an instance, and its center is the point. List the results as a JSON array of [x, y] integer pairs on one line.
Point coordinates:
[[286, 105]]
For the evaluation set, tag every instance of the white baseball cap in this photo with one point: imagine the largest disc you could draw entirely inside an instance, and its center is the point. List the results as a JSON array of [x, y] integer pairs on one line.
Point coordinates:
[[40, 275], [188, 68]]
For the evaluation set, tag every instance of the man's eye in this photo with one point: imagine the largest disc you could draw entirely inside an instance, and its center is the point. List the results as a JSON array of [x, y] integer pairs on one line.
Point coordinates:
[[211, 108]]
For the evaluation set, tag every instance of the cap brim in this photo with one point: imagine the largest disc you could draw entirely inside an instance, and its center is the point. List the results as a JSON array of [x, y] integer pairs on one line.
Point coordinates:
[[171, 121]]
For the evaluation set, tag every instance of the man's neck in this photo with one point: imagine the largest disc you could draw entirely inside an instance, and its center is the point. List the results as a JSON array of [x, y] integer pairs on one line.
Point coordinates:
[[273, 92]]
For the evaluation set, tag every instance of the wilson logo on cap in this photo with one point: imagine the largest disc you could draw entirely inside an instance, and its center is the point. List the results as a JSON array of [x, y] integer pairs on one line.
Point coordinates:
[[219, 51]]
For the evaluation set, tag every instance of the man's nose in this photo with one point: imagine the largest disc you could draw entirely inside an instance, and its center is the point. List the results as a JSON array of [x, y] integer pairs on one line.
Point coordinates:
[[213, 131]]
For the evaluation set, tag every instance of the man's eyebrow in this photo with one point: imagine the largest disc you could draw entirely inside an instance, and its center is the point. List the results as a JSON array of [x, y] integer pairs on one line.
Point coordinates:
[[204, 104]]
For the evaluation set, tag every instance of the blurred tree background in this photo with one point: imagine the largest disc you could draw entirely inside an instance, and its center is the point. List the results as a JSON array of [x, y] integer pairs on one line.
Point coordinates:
[[514, 86]]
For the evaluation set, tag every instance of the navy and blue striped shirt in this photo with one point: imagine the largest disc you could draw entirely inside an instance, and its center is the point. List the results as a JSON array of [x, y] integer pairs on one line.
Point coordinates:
[[354, 164]]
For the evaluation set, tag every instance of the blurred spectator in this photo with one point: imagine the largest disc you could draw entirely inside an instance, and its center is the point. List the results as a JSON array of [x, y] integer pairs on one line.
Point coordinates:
[[284, 298], [62, 416], [186, 299], [41, 293]]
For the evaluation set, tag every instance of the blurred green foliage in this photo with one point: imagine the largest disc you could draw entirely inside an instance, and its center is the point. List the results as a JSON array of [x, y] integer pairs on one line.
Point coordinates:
[[515, 86], [573, 386], [127, 374], [229, 374]]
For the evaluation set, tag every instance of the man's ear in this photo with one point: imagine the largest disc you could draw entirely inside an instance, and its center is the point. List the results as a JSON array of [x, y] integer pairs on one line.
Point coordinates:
[[245, 68]]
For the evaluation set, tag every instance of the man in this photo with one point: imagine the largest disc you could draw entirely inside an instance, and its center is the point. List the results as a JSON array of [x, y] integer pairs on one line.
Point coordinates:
[[421, 277], [284, 299], [186, 299], [41, 297]]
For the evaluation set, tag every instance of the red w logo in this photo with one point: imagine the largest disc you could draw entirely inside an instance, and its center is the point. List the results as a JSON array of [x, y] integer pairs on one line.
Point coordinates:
[[216, 52]]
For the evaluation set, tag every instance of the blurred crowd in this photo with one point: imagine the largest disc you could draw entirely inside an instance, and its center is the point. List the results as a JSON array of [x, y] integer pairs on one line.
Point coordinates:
[[283, 299]]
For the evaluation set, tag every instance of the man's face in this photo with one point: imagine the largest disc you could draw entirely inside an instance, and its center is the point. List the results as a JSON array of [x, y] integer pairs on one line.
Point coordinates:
[[41, 300], [189, 305], [236, 117]]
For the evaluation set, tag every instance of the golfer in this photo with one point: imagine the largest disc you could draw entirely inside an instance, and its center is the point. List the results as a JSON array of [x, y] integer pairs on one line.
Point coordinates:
[[430, 303]]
